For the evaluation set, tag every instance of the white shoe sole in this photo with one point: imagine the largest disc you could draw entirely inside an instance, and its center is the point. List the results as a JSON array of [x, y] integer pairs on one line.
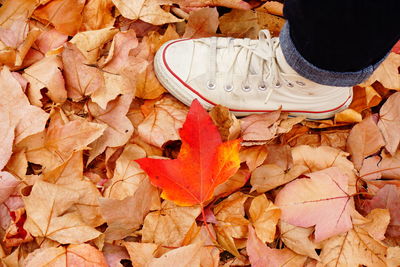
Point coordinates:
[[186, 94]]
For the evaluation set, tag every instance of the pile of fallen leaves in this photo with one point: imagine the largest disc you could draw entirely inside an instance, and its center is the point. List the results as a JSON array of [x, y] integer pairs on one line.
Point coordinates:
[[96, 169]]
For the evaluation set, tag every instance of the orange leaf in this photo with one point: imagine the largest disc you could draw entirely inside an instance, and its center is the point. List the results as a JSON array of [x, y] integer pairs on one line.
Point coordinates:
[[203, 162]]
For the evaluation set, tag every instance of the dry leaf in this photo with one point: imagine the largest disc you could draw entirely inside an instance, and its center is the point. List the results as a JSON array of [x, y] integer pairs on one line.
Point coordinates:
[[364, 140], [65, 15], [240, 24], [73, 255], [389, 122], [114, 254], [202, 23], [264, 216], [227, 124], [186, 256], [47, 216], [260, 128], [323, 197], [254, 156], [142, 253], [169, 225], [97, 14], [261, 255], [162, 124]]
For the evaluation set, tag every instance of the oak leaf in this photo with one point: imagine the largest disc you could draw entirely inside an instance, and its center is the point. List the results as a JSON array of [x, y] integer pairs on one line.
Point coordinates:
[[203, 162], [323, 197], [389, 122], [146, 10], [202, 23], [65, 15], [261, 255], [73, 255], [364, 140], [162, 124], [169, 225], [47, 215]]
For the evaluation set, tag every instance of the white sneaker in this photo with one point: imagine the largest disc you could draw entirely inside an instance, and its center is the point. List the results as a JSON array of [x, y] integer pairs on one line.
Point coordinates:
[[247, 76]]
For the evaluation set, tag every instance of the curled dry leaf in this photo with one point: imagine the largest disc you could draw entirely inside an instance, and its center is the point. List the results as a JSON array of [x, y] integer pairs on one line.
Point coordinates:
[[90, 43], [46, 73], [186, 256], [259, 128], [73, 255], [81, 80], [353, 248], [97, 14], [169, 225], [145, 10], [119, 127], [261, 255], [298, 239], [202, 23], [364, 140], [125, 216], [264, 216], [65, 15], [16, 234], [47, 215], [387, 73], [162, 124], [26, 119], [254, 156], [387, 197], [389, 122], [323, 197], [227, 124]]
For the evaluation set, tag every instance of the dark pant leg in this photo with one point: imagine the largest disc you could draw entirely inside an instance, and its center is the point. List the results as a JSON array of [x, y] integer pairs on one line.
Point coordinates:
[[343, 35]]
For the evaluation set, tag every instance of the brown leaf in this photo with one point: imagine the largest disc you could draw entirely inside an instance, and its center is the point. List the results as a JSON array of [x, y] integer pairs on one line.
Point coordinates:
[[186, 256], [46, 73], [12, 10], [254, 156], [65, 15], [90, 43], [272, 7], [6, 137], [389, 122], [202, 23], [26, 119], [119, 127], [142, 253], [48, 41], [73, 255], [8, 183], [53, 147], [125, 216], [81, 80], [97, 15], [162, 124], [114, 254], [387, 73], [261, 255], [169, 225], [364, 140], [227, 124], [240, 24], [47, 215], [146, 10], [264, 216], [260, 128]]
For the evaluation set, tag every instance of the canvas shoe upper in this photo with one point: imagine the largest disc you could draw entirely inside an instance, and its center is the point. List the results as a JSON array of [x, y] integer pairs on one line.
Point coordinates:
[[247, 76]]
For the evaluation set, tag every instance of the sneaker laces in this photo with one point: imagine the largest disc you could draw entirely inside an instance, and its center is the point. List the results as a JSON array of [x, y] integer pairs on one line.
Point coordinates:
[[271, 75]]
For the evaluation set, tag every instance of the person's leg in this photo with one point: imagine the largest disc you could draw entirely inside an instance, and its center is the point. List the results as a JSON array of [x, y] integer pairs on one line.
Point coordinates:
[[339, 43]]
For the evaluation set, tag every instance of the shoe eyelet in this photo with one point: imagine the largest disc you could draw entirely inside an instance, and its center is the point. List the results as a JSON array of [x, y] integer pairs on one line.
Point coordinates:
[[262, 87], [277, 85], [228, 88], [300, 83], [211, 85], [246, 88], [290, 85]]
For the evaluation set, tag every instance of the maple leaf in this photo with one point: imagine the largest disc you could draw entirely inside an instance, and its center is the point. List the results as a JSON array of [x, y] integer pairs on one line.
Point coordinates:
[[323, 197], [73, 255], [203, 163], [389, 122], [261, 255]]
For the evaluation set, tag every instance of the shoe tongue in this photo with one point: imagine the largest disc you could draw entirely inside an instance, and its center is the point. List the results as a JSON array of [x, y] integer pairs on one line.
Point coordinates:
[[280, 58]]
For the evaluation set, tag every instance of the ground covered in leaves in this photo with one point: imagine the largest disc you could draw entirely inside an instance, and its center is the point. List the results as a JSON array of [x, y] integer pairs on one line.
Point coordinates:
[[80, 109]]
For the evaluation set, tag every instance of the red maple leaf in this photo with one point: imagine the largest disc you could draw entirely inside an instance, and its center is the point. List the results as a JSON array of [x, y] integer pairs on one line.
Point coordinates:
[[203, 163]]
